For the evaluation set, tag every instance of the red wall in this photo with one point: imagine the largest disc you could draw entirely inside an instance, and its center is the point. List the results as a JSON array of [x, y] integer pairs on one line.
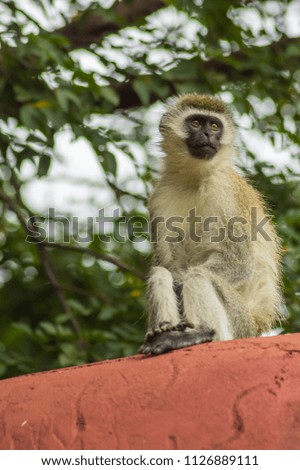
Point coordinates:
[[229, 395]]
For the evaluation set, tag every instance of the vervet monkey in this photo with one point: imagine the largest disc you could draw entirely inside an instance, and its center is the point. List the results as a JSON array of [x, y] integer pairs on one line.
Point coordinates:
[[216, 273]]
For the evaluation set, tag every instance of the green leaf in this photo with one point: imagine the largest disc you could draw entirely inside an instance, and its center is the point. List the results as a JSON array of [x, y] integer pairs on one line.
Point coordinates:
[[63, 318], [48, 327], [65, 97], [142, 90], [3, 370], [30, 116], [107, 313], [78, 307], [44, 165], [109, 163], [23, 327], [26, 154], [110, 95]]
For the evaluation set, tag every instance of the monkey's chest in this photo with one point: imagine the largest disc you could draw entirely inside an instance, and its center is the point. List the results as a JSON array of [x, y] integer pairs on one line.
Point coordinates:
[[194, 218], [192, 224], [192, 233], [192, 242]]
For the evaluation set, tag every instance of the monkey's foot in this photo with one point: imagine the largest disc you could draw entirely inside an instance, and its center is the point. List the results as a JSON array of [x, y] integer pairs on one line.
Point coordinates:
[[158, 329], [167, 326], [169, 340], [183, 325]]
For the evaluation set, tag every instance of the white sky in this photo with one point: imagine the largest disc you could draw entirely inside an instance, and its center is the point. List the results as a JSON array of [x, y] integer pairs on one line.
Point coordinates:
[[74, 184]]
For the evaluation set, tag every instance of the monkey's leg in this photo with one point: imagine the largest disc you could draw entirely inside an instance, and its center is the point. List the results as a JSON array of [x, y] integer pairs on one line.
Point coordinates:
[[202, 304], [210, 300], [165, 314], [162, 302]]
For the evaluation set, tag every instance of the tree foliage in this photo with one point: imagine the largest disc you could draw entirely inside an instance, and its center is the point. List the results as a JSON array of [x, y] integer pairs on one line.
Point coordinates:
[[67, 303]]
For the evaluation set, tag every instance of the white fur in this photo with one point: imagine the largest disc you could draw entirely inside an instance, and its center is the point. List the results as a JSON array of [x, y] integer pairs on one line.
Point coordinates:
[[162, 296], [202, 306]]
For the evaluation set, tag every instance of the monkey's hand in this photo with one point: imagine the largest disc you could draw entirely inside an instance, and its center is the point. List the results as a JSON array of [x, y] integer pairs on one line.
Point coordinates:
[[174, 339]]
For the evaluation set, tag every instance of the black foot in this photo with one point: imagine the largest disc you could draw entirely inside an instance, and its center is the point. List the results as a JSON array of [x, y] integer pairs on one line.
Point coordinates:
[[158, 329], [166, 326], [169, 340]]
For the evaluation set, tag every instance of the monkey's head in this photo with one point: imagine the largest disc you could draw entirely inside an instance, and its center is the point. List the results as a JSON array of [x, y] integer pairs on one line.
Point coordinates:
[[199, 124]]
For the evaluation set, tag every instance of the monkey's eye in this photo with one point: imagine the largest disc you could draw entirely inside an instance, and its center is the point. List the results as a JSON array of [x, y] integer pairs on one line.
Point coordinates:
[[195, 123], [214, 126]]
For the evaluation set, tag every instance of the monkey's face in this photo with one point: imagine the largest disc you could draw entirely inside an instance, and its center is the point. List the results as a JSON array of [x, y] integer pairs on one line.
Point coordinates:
[[204, 135]]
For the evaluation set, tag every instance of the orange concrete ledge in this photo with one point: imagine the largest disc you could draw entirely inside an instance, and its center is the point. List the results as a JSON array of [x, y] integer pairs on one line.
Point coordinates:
[[241, 394]]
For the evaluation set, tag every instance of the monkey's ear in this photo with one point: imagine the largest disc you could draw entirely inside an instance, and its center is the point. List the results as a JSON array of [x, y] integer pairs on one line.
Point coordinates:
[[163, 125]]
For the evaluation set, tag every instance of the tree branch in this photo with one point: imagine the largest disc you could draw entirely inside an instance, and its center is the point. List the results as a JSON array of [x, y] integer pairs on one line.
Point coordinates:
[[101, 256], [122, 192], [44, 257], [93, 24], [31, 230], [50, 272], [78, 290]]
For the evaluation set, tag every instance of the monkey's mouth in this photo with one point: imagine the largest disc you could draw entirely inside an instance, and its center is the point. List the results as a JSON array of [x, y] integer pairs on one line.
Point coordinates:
[[203, 151]]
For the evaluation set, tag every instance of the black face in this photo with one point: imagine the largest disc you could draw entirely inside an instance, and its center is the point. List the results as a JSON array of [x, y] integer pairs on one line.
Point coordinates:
[[204, 135]]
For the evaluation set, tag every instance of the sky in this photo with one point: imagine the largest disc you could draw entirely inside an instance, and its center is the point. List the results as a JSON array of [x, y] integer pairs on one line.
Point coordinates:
[[75, 182]]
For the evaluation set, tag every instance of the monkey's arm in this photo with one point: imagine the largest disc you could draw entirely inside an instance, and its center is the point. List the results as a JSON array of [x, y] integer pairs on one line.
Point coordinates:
[[162, 250], [163, 313]]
